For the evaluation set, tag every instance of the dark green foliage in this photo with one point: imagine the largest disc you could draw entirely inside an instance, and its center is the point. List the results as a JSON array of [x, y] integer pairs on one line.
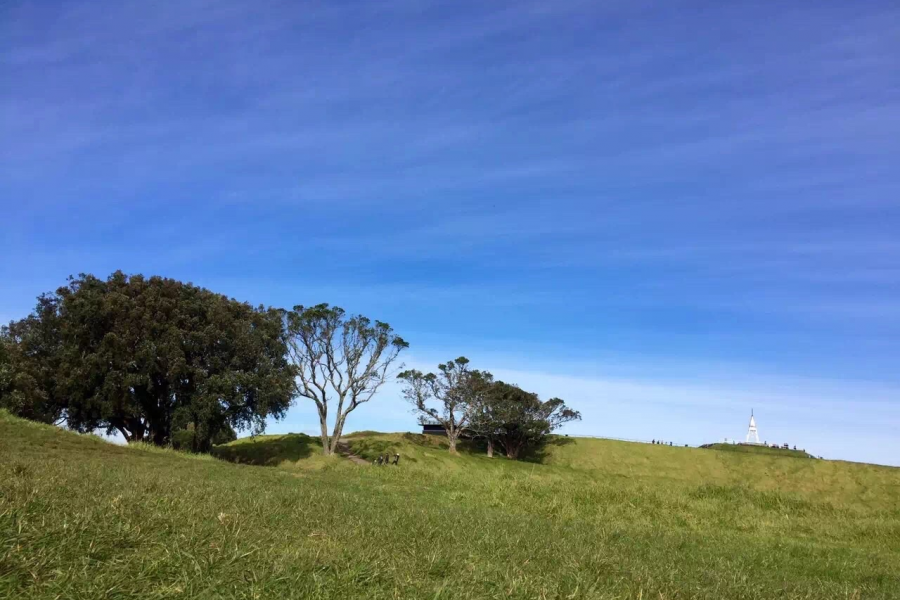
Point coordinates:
[[184, 439], [187, 439], [147, 357], [6, 369], [225, 435], [517, 420], [29, 364]]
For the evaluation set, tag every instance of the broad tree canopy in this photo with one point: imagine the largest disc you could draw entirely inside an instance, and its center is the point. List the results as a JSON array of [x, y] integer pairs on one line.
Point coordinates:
[[518, 420], [29, 361], [146, 357]]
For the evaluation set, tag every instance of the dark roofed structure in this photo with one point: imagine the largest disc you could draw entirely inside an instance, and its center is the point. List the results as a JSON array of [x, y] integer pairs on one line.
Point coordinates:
[[438, 429], [433, 429]]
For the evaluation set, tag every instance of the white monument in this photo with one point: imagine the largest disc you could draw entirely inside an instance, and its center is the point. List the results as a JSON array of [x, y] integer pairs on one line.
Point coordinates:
[[752, 435]]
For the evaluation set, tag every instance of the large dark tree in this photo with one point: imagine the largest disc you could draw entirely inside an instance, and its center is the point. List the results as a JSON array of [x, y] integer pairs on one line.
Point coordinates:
[[449, 397], [29, 364], [517, 420], [149, 356], [7, 373], [340, 361]]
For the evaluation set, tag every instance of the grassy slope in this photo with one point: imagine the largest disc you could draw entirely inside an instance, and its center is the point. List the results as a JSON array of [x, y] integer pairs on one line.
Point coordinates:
[[292, 450], [761, 450], [80, 518]]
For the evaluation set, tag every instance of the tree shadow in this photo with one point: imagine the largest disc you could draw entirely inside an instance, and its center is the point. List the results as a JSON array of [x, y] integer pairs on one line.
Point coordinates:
[[439, 442], [473, 446], [427, 440], [540, 452], [269, 451]]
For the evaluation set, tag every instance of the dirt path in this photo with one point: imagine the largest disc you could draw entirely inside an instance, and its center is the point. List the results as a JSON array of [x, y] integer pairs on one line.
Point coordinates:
[[343, 448]]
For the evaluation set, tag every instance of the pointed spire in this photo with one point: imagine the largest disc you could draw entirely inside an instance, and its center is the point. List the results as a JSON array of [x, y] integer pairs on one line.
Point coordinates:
[[752, 434]]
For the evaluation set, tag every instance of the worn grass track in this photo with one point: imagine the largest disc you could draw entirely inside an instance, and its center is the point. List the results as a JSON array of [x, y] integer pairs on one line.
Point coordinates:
[[80, 518]]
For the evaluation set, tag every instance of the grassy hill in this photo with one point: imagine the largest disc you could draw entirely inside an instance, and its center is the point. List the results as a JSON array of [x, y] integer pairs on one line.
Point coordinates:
[[80, 518], [760, 450]]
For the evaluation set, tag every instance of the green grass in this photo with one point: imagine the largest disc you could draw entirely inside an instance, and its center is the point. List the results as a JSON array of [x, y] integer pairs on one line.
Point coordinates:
[[287, 450], [760, 450], [80, 518]]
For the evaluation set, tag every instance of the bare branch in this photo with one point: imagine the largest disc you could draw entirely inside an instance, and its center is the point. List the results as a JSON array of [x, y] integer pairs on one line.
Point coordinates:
[[339, 359], [454, 388]]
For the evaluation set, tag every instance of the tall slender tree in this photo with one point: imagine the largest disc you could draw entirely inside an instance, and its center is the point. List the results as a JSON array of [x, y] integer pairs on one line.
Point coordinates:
[[449, 397], [340, 362]]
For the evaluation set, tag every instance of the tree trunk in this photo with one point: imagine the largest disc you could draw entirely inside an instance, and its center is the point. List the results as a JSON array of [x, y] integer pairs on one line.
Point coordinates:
[[124, 433], [490, 448], [135, 431], [323, 426], [452, 439], [159, 437], [338, 430], [512, 450]]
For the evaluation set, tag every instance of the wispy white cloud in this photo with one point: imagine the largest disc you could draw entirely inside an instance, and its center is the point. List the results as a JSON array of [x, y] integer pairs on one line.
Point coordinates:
[[849, 420], [742, 125]]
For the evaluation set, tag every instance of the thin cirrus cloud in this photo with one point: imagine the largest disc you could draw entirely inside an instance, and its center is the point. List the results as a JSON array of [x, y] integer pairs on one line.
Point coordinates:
[[709, 405]]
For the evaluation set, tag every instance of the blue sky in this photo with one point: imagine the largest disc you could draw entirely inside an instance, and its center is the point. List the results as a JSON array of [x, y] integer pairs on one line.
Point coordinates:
[[667, 214]]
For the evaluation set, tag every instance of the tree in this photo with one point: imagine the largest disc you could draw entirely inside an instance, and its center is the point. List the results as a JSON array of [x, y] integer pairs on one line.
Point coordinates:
[[517, 420], [146, 357], [456, 389], [29, 361], [338, 360], [187, 439], [483, 423], [6, 368]]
